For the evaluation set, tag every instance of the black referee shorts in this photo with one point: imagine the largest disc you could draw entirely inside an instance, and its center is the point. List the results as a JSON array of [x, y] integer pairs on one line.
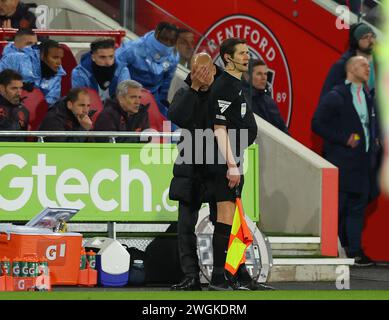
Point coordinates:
[[223, 191]]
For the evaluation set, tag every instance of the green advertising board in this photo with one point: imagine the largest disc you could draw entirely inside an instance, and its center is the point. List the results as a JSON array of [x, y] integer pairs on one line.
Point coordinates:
[[107, 182]]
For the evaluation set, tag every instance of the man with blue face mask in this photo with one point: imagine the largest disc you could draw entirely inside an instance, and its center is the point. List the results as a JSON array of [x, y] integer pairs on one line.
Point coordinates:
[[152, 60]]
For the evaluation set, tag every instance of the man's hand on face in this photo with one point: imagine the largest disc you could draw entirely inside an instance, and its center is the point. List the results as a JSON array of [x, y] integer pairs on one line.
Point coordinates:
[[84, 121], [200, 77]]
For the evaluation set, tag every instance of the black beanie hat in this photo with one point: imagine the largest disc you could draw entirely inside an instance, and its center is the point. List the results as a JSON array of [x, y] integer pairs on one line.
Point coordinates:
[[357, 31], [361, 30]]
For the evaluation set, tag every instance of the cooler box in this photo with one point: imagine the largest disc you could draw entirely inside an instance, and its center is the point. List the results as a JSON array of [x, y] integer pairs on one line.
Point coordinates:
[[62, 250], [112, 261]]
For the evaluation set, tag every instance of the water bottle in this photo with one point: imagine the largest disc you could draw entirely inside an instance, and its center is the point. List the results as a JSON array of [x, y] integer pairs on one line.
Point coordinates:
[[137, 273]]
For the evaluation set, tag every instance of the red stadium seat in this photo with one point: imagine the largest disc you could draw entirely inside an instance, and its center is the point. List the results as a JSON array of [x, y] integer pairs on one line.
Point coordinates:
[[156, 118], [69, 62], [95, 103], [36, 104]]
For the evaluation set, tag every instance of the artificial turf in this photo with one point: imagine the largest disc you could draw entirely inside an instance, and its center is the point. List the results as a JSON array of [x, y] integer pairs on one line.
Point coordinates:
[[205, 295]]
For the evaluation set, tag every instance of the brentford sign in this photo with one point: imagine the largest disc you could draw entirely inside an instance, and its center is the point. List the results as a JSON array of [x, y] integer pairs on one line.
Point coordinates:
[[262, 44]]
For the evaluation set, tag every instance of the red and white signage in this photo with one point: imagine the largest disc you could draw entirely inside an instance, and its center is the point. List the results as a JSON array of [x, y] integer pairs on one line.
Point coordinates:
[[262, 44]]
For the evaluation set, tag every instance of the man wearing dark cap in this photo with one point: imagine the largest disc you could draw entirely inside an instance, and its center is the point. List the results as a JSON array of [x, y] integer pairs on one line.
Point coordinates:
[[361, 43]]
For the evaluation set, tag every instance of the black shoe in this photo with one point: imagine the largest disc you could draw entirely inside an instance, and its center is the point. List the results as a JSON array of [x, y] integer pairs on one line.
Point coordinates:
[[362, 261], [188, 284], [230, 283], [226, 286], [256, 286]]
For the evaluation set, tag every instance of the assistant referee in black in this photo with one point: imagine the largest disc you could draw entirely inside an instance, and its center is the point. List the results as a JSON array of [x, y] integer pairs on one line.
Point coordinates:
[[235, 129]]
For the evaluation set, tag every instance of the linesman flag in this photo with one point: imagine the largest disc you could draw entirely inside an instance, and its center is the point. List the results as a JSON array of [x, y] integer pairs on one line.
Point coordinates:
[[240, 240]]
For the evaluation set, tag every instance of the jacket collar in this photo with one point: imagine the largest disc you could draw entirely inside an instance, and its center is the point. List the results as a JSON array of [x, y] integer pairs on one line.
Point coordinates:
[[34, 53], [114, 104], [61, 108], [256, 92], [86, 64]]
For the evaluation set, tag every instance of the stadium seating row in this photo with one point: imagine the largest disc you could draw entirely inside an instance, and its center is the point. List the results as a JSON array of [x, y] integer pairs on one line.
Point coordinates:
[[37, 105]]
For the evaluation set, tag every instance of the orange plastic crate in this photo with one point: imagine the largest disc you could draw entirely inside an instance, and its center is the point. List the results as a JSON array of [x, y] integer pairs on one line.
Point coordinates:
[[61, 250]]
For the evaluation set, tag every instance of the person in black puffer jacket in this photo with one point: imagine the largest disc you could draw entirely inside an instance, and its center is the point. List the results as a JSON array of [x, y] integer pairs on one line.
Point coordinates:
[[190, 110], [70, 113], [13, 114]]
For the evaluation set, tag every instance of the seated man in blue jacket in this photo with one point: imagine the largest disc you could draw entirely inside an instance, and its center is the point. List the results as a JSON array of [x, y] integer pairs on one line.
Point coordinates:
[[152, 61], [346, 120], [40, 66], [99, 70], [23, 38]]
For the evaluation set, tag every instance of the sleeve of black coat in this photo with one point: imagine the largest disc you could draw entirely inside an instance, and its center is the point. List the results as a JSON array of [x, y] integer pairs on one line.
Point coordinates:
[[145, 124], [324, 116], [182, 109], [52, 123], [104, 122], [276, 115]]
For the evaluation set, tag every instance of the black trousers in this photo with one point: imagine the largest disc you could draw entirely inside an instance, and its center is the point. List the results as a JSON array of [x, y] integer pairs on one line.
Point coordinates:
[[352, 208], [187, 242]]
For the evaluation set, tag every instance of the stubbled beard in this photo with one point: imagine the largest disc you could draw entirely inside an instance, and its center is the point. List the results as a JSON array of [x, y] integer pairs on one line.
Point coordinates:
[[367, 50], [15, 101]]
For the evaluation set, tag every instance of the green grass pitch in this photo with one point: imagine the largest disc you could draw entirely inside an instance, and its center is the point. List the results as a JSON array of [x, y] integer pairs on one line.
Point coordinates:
[[205, 295]]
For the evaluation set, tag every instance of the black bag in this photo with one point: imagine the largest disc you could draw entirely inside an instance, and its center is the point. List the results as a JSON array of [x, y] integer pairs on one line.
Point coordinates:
[[137, 273], [162, 263]]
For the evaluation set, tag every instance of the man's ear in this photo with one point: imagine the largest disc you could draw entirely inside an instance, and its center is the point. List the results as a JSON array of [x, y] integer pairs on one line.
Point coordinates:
[[69, 105], [2, 88], [120, 100], [213, 70]]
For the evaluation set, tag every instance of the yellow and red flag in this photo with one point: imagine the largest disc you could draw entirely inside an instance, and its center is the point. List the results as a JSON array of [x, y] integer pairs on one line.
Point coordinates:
[[240, 239]]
